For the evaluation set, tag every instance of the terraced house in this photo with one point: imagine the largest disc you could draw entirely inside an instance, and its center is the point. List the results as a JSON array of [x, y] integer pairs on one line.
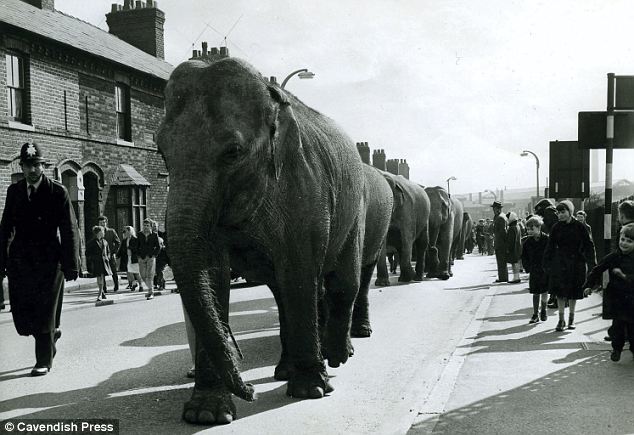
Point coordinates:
[[93, 100]]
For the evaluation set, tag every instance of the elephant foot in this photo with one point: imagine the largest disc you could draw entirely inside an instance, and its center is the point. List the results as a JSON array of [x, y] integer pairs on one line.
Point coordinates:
[[459, 258], [382, 282], [309, 384], [418, 277], [444, 276], [337, 352], [362, 330], [404, 279], [432, 275], [213, 406], [283, 370]]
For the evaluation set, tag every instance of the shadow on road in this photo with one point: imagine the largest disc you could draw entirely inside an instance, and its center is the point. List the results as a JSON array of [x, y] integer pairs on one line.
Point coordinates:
[[149, 399], [595, 390]]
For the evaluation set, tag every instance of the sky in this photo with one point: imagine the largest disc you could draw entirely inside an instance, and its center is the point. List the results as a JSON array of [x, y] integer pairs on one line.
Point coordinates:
[[456, 87]]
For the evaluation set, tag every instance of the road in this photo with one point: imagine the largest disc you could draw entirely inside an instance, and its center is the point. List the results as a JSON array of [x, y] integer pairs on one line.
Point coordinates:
[[417, 372]]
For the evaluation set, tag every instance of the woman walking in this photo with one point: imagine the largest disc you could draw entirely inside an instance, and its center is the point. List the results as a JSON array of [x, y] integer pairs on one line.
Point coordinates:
[[128, 256], [568, 251], [98, 259]]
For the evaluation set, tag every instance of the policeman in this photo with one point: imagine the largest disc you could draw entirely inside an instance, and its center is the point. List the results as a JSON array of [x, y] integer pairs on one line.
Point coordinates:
[[43, 252]]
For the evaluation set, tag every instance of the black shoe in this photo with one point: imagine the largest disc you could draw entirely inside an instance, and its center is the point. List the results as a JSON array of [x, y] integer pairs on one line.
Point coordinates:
[[116, 289], [561, 325], [105, 291], [534, 319], [40, 371], [500, 280], [571, 323], [543, 316], [615, 355], [607, 338], [57, 334], [515, 281], [2, 306]]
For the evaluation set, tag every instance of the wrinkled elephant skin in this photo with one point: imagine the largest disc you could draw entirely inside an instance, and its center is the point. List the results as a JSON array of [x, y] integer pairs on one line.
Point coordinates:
[[441, 233], [259, 178], [408, 229]]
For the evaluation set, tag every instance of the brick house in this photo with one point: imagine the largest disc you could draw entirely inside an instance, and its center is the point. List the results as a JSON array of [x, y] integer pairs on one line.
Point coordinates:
[[93, 100]]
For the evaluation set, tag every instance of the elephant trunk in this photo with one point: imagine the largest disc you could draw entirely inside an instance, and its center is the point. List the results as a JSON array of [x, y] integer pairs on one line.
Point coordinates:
[[198, 270]]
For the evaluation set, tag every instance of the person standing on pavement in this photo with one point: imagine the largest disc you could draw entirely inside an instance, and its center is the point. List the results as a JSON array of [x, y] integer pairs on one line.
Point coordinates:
[[568, 253], [43, 253], [513, 247], [532, 260], [98, 259], [114, 242], [546, 209], [618, 297], [148, 249], [500, 226]]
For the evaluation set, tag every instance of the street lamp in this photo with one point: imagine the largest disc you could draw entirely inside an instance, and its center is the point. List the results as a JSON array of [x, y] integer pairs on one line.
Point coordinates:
[[495, 197], [524, 154], [448, 180], [301, 73]]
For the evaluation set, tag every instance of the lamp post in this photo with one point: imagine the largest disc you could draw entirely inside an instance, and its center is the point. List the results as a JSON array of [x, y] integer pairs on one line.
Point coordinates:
[[495, 197], [448, 180], [302, 73], [524, 154]]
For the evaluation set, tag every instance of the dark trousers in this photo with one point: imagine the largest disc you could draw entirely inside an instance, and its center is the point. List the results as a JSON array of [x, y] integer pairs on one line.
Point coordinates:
[[619, 329], [115, 276], [503, 271], [44, 349]]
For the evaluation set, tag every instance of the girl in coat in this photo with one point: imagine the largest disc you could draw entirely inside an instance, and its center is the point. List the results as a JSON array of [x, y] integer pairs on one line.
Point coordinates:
[[568, 251], [618, 298], [98, 259], [532, 260], [513, 247], [128, 250]]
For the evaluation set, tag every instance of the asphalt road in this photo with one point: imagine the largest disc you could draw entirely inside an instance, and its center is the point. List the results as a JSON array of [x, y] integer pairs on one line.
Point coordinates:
[[128, 361]]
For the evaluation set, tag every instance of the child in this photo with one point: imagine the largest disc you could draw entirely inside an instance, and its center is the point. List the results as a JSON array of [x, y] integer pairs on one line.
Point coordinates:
[[98, 259], [618, 299], [532, 259], [513, 246]]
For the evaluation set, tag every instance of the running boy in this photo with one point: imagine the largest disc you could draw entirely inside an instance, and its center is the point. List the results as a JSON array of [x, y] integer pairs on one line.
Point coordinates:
[[532, 260]]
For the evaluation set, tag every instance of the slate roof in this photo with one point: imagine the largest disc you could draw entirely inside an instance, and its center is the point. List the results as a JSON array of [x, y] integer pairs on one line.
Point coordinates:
[[126, 175], [79, 34]]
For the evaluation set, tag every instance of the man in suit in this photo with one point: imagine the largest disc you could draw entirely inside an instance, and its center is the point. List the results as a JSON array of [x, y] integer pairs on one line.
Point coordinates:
[[500, 227], [114, 242], [43, 252]]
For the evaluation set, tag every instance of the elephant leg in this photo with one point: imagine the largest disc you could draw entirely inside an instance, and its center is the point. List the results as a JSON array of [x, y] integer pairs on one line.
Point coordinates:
[[382, 277], [421, 249], [308, 378], [284, 367], [407, 273], [444, 253], [431, 264], [361, 313], [211, 401]]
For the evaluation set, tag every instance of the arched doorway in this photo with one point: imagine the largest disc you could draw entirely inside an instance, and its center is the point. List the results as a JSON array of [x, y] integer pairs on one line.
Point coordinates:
[[91, 202]]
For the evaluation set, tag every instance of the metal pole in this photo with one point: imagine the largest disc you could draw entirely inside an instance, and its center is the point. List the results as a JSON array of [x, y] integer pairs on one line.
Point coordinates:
[[609, 151], [288, 77]]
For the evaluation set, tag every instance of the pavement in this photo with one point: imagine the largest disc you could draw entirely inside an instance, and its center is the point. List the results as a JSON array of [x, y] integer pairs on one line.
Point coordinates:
[[521, 378]]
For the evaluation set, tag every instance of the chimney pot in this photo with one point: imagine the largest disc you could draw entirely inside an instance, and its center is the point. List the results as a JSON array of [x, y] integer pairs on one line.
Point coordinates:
[[138, 4], [224, 51], [204, 48], [127, 4], [150, 4], [214, 51], [194, 54], [273, 80]]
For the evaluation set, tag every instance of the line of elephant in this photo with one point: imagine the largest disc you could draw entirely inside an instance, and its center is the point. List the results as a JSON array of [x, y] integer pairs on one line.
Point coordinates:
[[264, 185]]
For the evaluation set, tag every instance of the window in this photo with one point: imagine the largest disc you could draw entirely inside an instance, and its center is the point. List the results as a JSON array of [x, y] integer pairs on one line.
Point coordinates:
[[131, 206], [139, 205], [16, 89], [122, 102]]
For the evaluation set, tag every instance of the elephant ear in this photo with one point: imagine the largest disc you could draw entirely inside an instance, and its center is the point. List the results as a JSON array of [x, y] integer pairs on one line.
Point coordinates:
[[397, 191], [284, 130]]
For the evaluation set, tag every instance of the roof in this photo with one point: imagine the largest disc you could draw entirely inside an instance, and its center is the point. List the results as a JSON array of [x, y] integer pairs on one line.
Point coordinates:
[[81, 35], [126, 175]]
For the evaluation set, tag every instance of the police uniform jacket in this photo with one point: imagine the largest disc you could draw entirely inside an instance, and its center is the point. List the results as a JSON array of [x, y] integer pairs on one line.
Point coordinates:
[[45, 240]]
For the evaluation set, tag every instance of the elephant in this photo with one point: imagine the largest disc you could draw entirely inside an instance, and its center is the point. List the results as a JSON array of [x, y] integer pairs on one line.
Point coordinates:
[[457, 244], [441, 233], [468, 234], [262, 184], [408, 229]]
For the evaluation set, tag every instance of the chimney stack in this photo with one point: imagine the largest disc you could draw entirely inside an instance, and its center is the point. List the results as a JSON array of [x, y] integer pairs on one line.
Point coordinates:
[[45, 5], [364, 152], [378, 159], [139, 24], [209, 54]]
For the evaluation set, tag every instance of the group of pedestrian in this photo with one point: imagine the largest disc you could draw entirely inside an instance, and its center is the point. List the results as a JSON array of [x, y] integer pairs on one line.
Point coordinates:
[[137, 256], [484, 236]]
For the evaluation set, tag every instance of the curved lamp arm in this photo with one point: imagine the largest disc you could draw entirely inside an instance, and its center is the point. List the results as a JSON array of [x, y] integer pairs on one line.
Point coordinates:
[[288, 77]]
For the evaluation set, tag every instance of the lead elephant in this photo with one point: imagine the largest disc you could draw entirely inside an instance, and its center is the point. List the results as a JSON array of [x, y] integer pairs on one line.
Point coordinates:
[[441, 233], [258, 177], [457, 244], [408, 229]]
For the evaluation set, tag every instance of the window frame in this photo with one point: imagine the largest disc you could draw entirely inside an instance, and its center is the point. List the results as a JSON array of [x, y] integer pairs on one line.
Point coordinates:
[[17, 60], [123, 117]]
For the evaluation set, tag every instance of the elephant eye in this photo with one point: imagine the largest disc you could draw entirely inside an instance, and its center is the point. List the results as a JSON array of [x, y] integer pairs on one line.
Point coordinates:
[[232, 153]]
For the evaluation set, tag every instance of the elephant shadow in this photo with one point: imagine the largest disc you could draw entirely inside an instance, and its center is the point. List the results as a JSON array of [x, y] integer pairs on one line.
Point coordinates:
[[150, 398]]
